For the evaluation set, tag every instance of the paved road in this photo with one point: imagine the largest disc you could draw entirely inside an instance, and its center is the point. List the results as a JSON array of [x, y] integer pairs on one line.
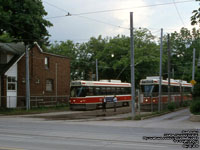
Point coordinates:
[[24, 133]]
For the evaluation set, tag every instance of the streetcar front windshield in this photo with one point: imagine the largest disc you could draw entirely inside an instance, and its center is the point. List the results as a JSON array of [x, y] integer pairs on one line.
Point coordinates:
[[147, 89], [78, 91]]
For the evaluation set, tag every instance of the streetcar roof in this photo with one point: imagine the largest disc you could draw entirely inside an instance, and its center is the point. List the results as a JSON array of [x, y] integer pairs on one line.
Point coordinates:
[[165, 82], [99, 83]]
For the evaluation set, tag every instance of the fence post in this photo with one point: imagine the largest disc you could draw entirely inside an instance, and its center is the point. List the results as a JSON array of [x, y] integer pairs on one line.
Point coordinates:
[[9, 101], [151, 103], [139, 102], [36, 102]]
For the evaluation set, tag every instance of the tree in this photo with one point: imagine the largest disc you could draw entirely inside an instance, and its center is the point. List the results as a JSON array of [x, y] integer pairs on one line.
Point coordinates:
[[182, 45], [23, 20], [5, 38], [83, 56], [195, 19]]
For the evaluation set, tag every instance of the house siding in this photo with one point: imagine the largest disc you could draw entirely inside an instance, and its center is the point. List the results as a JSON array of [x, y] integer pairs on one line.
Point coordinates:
[[39, 74]]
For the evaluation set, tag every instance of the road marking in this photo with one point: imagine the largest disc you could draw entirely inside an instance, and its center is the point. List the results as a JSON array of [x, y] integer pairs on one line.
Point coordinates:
[[143, 145], [9, 148]]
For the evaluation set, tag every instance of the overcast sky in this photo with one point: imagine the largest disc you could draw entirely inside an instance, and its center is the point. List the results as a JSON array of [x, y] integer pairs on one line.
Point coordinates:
[[170, 15]]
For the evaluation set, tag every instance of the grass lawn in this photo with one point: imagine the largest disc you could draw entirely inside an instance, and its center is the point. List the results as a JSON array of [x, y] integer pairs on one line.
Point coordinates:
[[5, 111]]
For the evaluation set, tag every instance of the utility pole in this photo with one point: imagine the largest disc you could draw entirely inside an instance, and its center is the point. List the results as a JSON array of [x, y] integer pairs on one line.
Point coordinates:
[[27, 79], [97, 74], [132, 66], [160, 78], [56, 82], [169, 68], [193, 67]]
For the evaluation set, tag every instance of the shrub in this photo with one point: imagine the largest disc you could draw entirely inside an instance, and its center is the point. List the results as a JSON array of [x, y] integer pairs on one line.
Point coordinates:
[[171, 106], [195, 107], [185, 103], [137, 117]]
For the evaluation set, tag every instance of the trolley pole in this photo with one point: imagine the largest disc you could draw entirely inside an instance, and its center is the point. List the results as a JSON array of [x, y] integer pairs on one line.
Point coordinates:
[[160, 79], [132, 66]]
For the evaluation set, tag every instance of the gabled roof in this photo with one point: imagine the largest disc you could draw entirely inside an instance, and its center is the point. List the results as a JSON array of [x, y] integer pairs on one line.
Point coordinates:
[[13, 48], [5, 67], [49, 53], [18, 50]]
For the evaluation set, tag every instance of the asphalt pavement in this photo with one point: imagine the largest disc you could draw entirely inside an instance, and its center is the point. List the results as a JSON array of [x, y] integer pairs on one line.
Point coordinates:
[[34, 132]]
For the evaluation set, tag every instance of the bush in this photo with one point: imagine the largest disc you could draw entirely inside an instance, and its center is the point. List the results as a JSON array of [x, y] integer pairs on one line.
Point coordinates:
[[195, 107], [137, 117], [171, 106], [185, 104]]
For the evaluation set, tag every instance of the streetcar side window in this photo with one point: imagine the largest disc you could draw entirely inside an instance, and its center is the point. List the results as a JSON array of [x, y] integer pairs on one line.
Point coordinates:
[[123, 92], [176, 89], [109, 91], [113, 90], [103, 91], [97, 91], [187, 89], [90, 91], [118, 91], [128, 90]]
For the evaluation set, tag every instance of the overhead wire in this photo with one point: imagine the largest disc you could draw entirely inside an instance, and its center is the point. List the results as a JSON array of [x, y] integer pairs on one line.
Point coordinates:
[[120, 9], [179, 15], [92, 19], [103, 22]]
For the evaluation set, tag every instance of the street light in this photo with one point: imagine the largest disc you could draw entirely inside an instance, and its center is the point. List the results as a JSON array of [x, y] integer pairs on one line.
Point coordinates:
[[97, 72]]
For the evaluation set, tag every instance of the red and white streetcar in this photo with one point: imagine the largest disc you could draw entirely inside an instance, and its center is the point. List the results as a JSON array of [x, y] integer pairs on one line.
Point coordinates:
[[180, 90], [87, 95]]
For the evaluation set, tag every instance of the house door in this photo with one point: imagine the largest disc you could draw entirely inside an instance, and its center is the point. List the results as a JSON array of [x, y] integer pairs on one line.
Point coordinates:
[[11, 92]]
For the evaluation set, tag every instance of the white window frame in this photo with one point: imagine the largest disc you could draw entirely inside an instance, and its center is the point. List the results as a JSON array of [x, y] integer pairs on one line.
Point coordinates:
[[13, 82], [49, 85], [46, 62]]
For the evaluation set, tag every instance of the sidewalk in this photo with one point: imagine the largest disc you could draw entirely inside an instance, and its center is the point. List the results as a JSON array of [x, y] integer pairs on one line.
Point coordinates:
[[121, 113]]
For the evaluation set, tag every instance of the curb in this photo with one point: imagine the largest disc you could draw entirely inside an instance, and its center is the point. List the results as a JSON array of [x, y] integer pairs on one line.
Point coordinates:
[[164, 113], [195, 118]]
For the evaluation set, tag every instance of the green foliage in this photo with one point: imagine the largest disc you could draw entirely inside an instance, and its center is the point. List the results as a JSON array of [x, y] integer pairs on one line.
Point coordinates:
[[195, 107], [185, 104], [196, 92], [5, 38], [171, 106], [23, 20], [137, 117], [182, 44], [84, 55], [195, 19], [9, 111], [147, 56]]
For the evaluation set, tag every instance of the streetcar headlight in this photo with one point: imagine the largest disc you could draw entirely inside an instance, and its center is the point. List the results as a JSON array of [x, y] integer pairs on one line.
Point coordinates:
[[146, 100]]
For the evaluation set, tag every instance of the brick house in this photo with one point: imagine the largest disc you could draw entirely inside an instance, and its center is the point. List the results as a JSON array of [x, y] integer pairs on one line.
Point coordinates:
[[49, 76]]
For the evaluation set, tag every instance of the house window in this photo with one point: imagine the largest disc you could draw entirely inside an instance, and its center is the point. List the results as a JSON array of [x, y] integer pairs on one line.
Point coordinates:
[[46, 62], [49, 85], [11, 83]]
